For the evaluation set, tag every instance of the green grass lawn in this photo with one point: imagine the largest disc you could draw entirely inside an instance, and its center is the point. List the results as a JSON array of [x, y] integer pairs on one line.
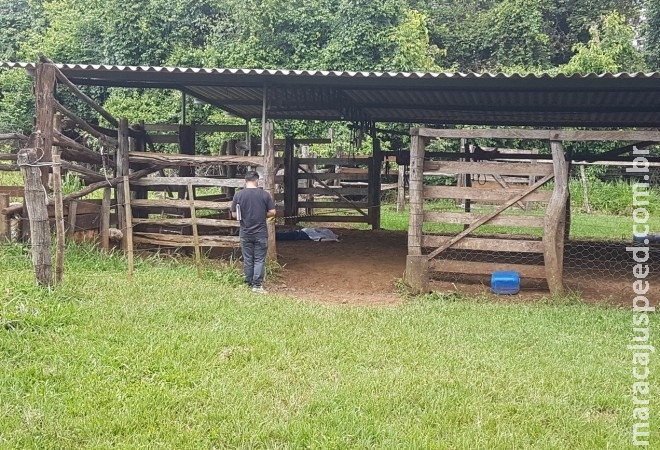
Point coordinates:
[[176, 361]]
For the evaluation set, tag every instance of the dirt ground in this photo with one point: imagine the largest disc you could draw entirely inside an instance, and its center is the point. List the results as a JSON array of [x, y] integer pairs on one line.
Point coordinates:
[[363, 269]]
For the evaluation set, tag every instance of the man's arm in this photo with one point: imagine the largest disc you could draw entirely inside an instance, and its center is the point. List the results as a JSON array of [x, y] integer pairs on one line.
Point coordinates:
[[270, 207], [271, 213], [232, 209]]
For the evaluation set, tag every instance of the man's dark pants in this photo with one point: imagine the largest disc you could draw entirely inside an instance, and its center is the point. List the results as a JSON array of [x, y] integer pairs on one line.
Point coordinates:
[[254, 251]]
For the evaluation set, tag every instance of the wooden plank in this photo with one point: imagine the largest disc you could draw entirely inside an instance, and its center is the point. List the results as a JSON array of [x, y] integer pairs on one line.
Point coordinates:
[[12, 191], [195, 181], [468, 218], [485, 244], [487, 168], [335, 205], [557, 135], [5, 221], [216, 223], [341, 219], [490, 215], [493, 195], [358, 160], [304, 141], [165, 127], [175, 160], [290, 181], [335, 176], [193, 222], [164, 138], [104, 225], [553, 231], [172, 203], [185, 241], [485, 268], [72, 218], [334, 191], [400, 189]]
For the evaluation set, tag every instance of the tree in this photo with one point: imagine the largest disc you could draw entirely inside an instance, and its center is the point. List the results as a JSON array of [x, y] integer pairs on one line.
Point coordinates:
[[652, 34], [610, 49]]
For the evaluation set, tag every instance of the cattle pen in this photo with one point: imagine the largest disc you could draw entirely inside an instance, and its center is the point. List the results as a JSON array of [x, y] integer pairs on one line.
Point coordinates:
[[149, 198]]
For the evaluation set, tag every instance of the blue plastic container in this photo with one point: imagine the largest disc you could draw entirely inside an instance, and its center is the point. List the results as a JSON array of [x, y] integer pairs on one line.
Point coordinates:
[[505, 283]]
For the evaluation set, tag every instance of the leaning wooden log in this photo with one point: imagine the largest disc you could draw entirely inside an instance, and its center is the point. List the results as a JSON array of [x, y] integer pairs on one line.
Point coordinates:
[[36, 203], [78, 93], [89, 176], [8, 157], [89, 189], [83, 125], [195, 181], [177, 160], [13, 136], [185, 241], [75, 151]]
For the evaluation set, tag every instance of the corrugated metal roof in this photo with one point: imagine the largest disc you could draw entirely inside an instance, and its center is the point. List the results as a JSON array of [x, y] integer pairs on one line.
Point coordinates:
[[593, 100]]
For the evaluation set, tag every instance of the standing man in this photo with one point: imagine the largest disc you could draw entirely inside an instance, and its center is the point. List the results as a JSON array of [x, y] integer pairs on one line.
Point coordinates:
[[252, 206]]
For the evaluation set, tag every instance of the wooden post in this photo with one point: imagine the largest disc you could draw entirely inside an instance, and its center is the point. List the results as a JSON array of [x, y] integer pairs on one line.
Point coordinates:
[[401, 189], [45, 96], [553, 229], [585, 191], [128, 237], [193, 220], [186, 147], [72, 218], [231, 169], [468, 179], [269, 182], [59, 219], [307, 183], [290, 182], [36, 205], [122, 171], [5, 221], [104, 226], [416, 264], [374, 183]]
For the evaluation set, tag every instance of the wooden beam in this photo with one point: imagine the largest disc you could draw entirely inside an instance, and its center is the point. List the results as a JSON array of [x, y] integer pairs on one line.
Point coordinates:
[[334, 205], [338, 219], [417, 273], [167, 203], [474, 225], [269, 182], [5, 220], [83, 125], [13, 136], [486, 244], [128, 235], [487, 168], [416, 192], [44, 96], [174, 160], [185, 241], [104, 226], [78, 93], [123, 169], [553, 231], [193, 222], [468, 218], [290, 182], [485, 268], [557, 135], [336, 191], [72, 218], [400, 189], [36, 204], [358, 160], [203, 222], [59, 220], [198, 128], [490, 195], [195, 181]]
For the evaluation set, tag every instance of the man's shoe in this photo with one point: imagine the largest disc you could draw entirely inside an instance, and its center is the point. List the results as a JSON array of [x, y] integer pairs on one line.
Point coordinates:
[[258, 289]]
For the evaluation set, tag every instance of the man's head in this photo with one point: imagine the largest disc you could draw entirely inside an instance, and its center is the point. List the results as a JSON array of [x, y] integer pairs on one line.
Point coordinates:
[[252, 178]]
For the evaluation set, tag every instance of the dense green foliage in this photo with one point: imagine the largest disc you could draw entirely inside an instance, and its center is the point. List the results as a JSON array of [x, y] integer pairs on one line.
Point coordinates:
[[494, 35]]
